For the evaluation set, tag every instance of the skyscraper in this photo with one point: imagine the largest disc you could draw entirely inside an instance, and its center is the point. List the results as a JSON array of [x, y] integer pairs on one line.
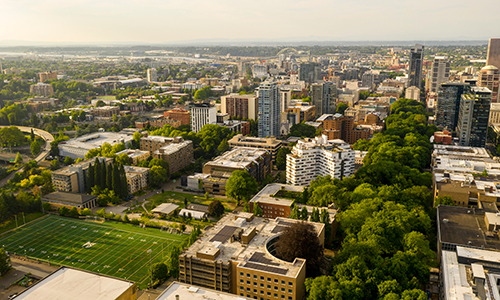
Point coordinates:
[[321, 97], [493, 57], [473, 117], [152, 75], [269, 110], [489, 77], [440, 73], [415, 66], [448, 104]]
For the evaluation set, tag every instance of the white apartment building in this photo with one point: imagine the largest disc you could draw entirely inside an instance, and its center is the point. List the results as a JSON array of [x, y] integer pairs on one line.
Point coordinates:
[[202, 114], [311, 158], [151, 74]]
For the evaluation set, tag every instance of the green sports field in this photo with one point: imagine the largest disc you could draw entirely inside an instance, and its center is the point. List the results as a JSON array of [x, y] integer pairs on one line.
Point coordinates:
[[115, 249]]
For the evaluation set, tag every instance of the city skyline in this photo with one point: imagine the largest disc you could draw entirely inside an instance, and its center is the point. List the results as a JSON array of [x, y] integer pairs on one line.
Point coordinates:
[[160, 22]]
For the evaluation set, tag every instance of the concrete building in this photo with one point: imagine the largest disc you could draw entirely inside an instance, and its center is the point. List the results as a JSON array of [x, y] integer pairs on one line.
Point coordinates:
[[415, 66], [342, 127], [68, 283], [136, 155], [78, 147], [269, 110], [473, 117], [413, 92], [42, 89], [243, 106], [181, 291], [257, 162], [177, 152], [73, 178], [489, 77], [237, 126], [272, 145], [259, 71], [151, 75], [321, 98], [80, 201], [493, 57], [240, 249], [202, 114], [137, 178], [179, 114], [311, 158], [495, 113], [157, 121], [105, 112], [440, 73], [448, 104], [309, 72], [300, 113], [45, 76]]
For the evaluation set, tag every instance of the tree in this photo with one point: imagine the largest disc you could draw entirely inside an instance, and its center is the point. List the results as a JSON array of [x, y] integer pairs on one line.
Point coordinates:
[[257, 211], [55, 164], [215, 209], [295, 214], [301, 240], [341, 107], [444, 200], [157, 176], [304, 214], [223, 146], [137, 138], [315, 215], [159, 272], [68, 161], [63, 211], [35, 148], [5, 264], [18, 159], [73, 212], [241, 186], [281, 158], [159, 162], [302, 130]]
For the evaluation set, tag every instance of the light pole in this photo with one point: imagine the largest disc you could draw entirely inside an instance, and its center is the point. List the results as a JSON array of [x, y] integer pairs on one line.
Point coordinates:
[[150, 268]]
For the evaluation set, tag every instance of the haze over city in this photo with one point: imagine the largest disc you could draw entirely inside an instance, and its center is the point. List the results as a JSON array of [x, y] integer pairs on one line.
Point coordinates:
[[157, 22]]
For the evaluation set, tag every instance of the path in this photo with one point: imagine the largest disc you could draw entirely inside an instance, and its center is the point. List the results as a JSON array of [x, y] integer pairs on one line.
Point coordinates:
[[144, 206]]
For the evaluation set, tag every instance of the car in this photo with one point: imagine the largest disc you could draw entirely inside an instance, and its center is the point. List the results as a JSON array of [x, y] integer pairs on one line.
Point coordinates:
[[13, 296]]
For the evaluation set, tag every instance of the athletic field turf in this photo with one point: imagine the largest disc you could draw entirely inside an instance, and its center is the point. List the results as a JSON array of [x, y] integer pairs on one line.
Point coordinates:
[[115, 249]]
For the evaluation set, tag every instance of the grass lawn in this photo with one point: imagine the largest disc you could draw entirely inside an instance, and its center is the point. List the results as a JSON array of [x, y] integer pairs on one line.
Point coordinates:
[[111, 248], [11, 224], [107, 97]]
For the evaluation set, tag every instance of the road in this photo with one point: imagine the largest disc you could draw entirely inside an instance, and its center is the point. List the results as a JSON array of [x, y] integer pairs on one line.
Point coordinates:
[[44, 135]]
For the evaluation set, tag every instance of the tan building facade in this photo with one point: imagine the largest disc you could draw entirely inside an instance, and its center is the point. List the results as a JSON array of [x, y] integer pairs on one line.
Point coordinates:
[[177, 152], [137, 178], [270, 144]]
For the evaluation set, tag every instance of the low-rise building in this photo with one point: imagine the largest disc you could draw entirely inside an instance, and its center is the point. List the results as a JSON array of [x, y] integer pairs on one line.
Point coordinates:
[[78, 147], [257, 162], [179, 114], [239, 247], [68, 283], [181, 291], [236, 126], [137, 178], [270, 144], [320, 156], [71, 199], [73, 178], [443, 137], [176, 151], [105, 112], [342, 127], [136, 155], [42, 89]]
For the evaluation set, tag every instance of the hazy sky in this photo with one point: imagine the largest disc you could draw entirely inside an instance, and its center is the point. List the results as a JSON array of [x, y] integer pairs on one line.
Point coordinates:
[[159, 21]]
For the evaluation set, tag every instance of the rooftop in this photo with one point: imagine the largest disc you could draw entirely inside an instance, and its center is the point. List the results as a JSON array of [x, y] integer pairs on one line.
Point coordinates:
[[254, 140], [185, 292], [67, 283], [96, 140], [69, 197], [165, 208], [238, 158], [133, 153]]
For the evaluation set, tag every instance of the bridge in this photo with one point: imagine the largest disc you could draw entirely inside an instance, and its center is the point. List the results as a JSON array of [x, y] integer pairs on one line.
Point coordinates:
[[41, 133]]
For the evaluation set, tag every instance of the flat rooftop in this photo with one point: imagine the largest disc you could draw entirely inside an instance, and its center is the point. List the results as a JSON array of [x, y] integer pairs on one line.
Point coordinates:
[[464, 226], [96, 140], [133, 153], [190, 292], [173, 147], [238, 158], [217, 241], [67, 283], [239, 138]]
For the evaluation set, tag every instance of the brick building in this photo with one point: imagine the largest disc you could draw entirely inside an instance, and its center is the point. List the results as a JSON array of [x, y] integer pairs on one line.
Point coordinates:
[[179, 114], [177, 152], [342, 127]]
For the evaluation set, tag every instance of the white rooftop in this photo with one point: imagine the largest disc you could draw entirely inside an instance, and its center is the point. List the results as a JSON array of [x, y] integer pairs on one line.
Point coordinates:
[[67, 283], [165, 208], [96, 140], [189, 292], [239, 157], [454, 275]]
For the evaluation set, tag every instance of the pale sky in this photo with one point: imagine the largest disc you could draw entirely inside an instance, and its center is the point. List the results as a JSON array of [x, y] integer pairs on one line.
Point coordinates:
[[163, 21]]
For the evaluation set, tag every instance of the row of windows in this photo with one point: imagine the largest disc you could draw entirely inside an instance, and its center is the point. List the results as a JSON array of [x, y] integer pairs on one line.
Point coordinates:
[[276, 281], [283, 290], [269, 295]]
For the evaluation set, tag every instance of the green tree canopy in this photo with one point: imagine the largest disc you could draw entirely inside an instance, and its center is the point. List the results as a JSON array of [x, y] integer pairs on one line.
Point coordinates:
[[241, 186]]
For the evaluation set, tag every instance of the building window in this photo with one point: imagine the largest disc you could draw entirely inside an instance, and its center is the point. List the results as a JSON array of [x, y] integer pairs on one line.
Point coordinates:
[[290, 291], [268, 279], [261, 277], [248, 282], [283, 282], [276, 281], [261, 285], [255, 283], [248, 275], [254, 276], [242, 281], [241, 274], [268, 286], [290, 283]]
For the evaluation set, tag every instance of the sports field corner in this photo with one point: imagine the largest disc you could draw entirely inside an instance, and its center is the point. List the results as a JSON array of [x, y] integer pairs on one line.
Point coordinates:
[[114, 249]]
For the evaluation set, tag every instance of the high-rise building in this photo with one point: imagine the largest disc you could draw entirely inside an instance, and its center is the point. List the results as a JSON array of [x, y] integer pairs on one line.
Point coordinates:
[[473, 117], [440, 73], [489, 77], [415, 66], [493, 57], [202, 114], [342, 127], [269, 110], [243, 106], [152, 76], [309, 71], [285, 99], [448, 104], [321, 97], [319, 157]]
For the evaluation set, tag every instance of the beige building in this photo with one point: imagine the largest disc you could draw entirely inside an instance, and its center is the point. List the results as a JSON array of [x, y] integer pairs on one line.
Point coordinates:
[[413, 92], [270, 144], [237, 256], [71, 179], [494, 113], [44, 76], [177, 152], [42, 89], [489, 77], [137, 178], [106, 111], [243, 106], [135, 155]]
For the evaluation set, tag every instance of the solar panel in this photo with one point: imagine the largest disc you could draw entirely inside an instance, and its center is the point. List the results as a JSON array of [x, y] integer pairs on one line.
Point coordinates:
[[260, 258], [265, 268], [224, 234]]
